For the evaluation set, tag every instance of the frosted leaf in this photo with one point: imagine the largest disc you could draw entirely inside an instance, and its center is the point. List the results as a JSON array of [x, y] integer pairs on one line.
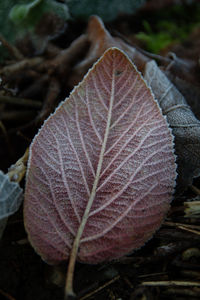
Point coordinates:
[[101, 171], [10, 199]]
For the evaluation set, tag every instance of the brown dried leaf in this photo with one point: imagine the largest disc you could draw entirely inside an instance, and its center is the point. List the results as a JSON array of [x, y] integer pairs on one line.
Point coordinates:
[[100, 40]]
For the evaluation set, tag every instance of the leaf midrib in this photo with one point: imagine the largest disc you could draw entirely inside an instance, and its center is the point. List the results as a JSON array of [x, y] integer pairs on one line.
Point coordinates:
[[74, 250], [99, 166]]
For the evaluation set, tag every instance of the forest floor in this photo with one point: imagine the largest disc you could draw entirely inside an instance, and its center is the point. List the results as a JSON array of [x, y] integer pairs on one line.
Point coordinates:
[[168, 266]]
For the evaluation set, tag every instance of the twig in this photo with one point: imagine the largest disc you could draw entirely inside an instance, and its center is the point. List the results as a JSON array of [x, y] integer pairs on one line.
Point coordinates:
[[36, 87], [152, 274], [190, 230], [187, 293], [11, 49], [49, 102], [6, 295], [100, 288], [23, 136], [175, 224], [17, 115], [195, 189], [66, 55], [16, 67], [3, 129], [190, 273], [186, 227], [20, 101], [171, 283]]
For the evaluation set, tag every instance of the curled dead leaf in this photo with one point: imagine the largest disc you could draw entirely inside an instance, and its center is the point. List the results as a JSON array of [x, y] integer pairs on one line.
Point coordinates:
[[100, 40], [185, 126]]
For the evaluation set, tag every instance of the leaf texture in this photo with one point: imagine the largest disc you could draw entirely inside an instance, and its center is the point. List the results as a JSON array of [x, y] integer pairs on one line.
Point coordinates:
[[103, 162], [185, 126]]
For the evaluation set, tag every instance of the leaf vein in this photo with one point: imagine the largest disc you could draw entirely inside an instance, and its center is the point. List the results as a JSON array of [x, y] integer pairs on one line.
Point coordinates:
[[77, 159], [91, 119], [83, 144], [64, 176], [124, 214]]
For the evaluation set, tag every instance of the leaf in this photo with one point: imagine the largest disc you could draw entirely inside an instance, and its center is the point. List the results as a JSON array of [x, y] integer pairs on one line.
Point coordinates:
[[21, 17], [30, 13], [101, 170], [107, 10], [185, 126], [10, 199], [189, 90]]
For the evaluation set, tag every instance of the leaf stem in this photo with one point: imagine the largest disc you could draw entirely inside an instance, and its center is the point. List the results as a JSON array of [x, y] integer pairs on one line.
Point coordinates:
[[72, 260]]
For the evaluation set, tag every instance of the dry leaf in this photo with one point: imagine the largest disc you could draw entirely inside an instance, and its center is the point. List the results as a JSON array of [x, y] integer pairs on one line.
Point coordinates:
[[100, 40], [101, 171], [185, 126], [190, 91]]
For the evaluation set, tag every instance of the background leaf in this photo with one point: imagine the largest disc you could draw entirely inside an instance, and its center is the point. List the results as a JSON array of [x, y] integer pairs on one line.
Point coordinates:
[[30, 13], [10, 199], [185, 126], [100, 40], [21, 17], [102, 167]]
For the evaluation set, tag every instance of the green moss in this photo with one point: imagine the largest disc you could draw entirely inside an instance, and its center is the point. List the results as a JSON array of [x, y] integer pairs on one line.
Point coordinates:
[[169, 26], [20, 17]]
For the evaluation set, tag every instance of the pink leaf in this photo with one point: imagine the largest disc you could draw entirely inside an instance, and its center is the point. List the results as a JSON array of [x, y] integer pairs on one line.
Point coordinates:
[[102, 168]]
